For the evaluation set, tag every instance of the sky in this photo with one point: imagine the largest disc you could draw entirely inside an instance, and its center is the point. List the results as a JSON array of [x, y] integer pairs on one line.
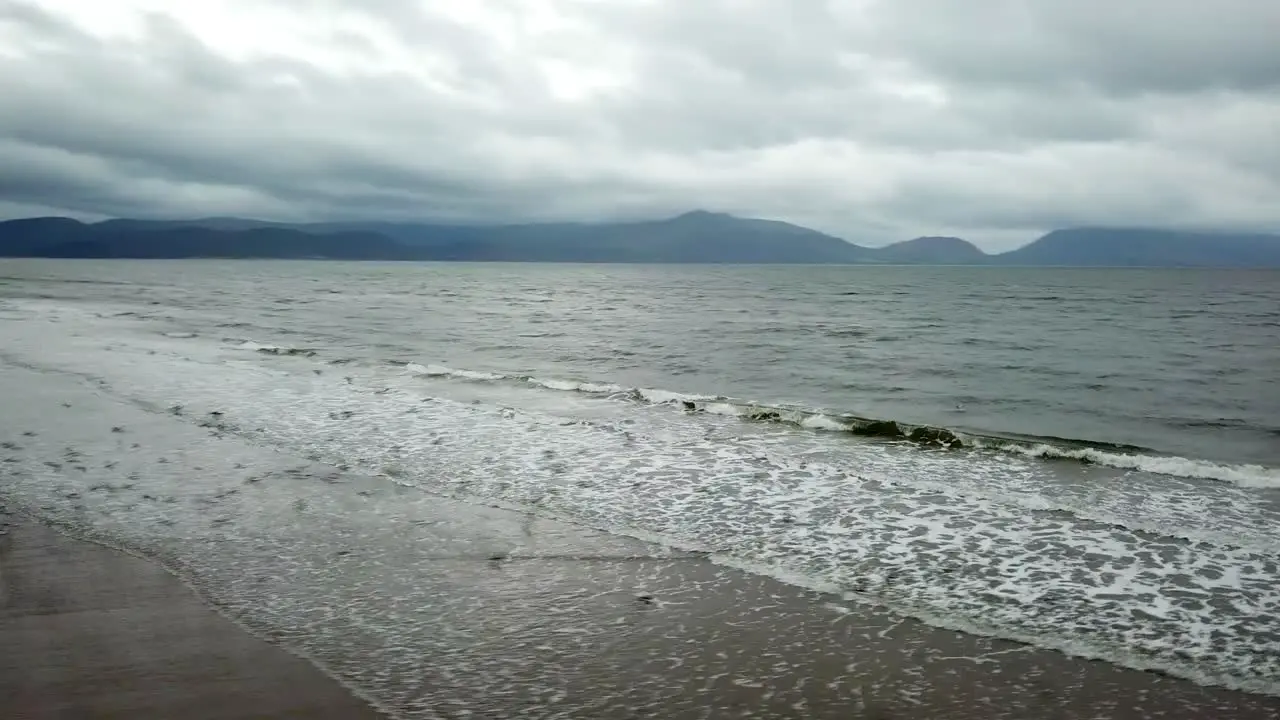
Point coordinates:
[[873, 120]]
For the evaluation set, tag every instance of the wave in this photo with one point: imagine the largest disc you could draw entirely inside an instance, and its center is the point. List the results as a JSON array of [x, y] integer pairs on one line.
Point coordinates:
[[441, 371], [1251, 476], [650, 396], [1115, 455], [277, 349]]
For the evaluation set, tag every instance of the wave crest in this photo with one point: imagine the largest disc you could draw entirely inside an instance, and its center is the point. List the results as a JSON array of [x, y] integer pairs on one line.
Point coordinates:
[[1124, 457]]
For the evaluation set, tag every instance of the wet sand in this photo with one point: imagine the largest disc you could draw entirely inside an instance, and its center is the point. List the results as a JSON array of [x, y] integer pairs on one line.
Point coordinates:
[[89, 632]]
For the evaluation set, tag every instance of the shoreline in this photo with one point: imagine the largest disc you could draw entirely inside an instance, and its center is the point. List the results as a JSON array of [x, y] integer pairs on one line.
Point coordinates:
[[438, 608], [796, 643], [96, 632]]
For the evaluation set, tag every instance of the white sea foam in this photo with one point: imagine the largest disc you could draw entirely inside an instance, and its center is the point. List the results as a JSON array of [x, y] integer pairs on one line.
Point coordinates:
[[910, 529], [719, 408], [1242, 475], [1250, 476], [442, 371], [257, 347], [668, 397], [823, 422], [566, 385], [577, 386]]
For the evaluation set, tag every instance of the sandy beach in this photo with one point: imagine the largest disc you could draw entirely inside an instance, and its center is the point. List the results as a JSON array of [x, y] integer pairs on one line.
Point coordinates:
[[91, 632]]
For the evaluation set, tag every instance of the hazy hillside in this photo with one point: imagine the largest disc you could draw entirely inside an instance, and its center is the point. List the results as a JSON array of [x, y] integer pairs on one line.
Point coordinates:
[[1109, 247], [695, 237], [932, 251], [60, 237]]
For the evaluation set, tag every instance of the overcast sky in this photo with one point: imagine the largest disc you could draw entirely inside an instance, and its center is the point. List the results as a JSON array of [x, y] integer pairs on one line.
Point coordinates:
[[874, 120]]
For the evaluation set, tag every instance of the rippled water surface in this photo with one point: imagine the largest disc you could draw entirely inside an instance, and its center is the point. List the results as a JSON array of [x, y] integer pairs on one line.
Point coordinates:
[[1185, 362], [1080, 459]]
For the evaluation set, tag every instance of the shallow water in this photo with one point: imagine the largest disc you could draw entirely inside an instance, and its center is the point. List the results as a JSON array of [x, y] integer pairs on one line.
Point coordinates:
[[469, 380]]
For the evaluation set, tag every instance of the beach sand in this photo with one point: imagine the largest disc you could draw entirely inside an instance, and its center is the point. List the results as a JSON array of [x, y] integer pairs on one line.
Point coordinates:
[[89, 632]]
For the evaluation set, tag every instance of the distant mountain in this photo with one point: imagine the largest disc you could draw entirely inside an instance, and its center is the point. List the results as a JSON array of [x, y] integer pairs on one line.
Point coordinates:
[[1113, 247], [932, 251], [212, 223], [36, 236], [61, 237], [695, 237]]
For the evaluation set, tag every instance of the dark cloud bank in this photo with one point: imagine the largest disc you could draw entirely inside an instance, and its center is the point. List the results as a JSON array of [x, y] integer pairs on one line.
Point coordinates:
[[875, 120]]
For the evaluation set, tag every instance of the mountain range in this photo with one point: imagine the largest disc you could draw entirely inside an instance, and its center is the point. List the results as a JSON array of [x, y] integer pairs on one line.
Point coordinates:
[[695, 237]]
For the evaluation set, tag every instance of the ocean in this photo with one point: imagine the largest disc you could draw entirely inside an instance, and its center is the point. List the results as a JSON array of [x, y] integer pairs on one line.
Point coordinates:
[[1081, 460]]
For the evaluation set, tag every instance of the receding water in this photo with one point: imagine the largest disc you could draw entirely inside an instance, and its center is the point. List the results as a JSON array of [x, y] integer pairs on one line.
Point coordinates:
[[1110, 489]]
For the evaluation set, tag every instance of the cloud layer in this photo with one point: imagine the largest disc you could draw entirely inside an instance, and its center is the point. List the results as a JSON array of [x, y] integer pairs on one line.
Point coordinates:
[[876, 120]]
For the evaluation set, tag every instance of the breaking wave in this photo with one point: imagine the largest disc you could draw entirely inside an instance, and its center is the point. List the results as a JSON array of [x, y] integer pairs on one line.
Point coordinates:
[[1254, 476], [1124, 457], [1115, 455]]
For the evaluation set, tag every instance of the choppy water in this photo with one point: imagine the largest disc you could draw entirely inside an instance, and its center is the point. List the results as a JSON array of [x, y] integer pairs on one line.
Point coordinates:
[[1179, 362], [1113, 490]]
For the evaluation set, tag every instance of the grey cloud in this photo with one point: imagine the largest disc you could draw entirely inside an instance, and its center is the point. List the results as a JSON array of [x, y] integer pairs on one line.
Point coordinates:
[[1131, 47], [995, 121]]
